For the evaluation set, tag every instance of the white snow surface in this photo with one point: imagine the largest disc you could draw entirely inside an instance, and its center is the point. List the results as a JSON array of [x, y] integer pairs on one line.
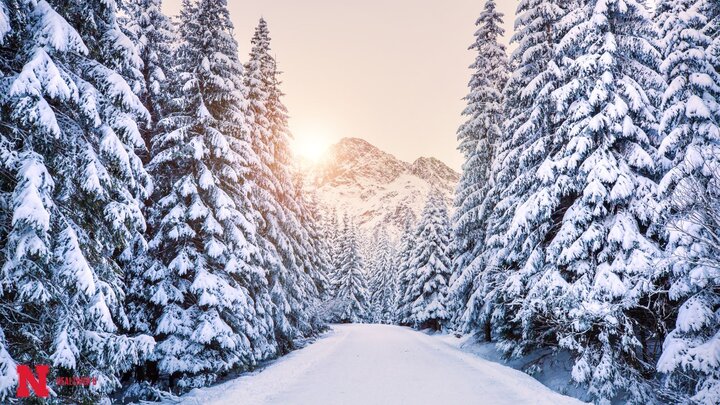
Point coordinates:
[[380, 364]]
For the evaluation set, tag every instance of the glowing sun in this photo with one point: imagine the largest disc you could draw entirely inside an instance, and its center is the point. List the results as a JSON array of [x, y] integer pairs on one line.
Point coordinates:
[[310, 145]]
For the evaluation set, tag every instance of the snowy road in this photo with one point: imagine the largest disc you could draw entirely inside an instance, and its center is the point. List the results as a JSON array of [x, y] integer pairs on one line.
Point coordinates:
[[380, 364]]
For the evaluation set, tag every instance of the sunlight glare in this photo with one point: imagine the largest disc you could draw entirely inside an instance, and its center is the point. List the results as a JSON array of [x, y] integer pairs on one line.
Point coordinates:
[[311, 145]]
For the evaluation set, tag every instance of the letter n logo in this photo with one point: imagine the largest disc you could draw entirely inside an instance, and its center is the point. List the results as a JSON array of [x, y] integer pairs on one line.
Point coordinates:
[[26, 379]]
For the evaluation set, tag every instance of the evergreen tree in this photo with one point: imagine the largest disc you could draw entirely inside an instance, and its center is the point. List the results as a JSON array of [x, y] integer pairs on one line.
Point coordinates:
[[152, 33], [690, 127], [317, 250], [521, 160], [478, 137], [580, 242], [431, 264], [383, 280], [205, 297], [70, 189], [373, 262], [688, 358], [334, 238], [291, 283], [711, 9], [405, 278], [333, 235], [351, 284]]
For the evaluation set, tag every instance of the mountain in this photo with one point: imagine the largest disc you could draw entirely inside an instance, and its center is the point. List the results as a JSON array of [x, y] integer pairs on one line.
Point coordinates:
[[374, 186]]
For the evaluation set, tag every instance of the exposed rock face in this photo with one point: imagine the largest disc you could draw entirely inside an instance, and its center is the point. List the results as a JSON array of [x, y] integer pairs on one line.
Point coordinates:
[[374, 186]]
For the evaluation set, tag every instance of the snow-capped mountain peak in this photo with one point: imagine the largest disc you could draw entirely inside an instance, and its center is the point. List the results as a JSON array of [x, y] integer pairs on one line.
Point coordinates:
[[375, 187]]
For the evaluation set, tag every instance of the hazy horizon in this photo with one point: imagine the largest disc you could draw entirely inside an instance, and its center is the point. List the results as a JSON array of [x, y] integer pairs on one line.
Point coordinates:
[[392, 74]]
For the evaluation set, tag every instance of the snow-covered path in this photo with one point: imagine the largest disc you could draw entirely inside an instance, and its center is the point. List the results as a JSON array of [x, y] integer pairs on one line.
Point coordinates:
[[380, 364]]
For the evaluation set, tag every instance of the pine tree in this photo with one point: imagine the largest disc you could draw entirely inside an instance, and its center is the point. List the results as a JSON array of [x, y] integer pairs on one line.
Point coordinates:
[[383, 280], [333, 235], [372, 258], [334, 238], [292, 286], [711, 9], [528, 141], [478, 137], [70, 191], [406, 276], [206, 298], [581, 241], [690, 128], [351, 284], [316, 252], [431, 265], [153, 34]]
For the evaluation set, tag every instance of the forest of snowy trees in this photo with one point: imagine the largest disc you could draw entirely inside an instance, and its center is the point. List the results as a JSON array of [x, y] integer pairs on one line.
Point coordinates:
[[586, 220], [152, 232], [155, 234]]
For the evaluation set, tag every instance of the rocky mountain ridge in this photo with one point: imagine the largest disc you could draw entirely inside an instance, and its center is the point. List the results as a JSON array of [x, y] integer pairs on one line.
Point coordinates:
[[375, 187]]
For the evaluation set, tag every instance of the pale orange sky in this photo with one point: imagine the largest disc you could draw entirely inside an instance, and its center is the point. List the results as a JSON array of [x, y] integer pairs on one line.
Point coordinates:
[[390, 71]]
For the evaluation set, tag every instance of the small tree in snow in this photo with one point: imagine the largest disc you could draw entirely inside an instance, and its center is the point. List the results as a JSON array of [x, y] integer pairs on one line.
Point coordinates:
[[430, 266], [383, 280], [351, 283], [405, 277]]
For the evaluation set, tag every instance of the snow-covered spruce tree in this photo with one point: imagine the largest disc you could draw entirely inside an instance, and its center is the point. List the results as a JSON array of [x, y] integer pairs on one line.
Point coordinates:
[[205, 295], [316, 250], [372, 259], [71, 182], [690, 127], [688, 356], [7, 185], [431, 263], [527, 142], [351, 283], [478, 138], [711, 9], [333, 235], [383, 280], [284, 240], [153, 34], [332, 232], [336, 240], [310, 252], [405, 275], [587, 290], [389, 290]]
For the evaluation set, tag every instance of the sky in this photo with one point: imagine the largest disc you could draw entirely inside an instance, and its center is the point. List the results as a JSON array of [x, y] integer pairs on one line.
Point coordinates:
[[393, 72]]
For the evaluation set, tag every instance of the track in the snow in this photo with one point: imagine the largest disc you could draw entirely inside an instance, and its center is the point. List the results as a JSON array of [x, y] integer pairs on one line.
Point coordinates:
[[378, 365]]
